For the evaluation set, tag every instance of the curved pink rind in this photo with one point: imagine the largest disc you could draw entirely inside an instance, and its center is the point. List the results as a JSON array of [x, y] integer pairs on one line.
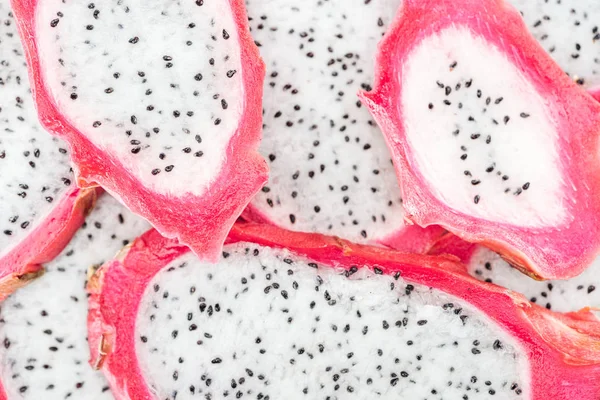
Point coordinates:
[[563, 350], [549, 253], [24, 262], [201, 222], [408, 238], [595, 92]]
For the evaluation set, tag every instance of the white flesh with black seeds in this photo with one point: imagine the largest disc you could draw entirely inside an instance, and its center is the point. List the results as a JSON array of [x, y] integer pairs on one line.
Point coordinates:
[[569, 31], [482, 136], [265, 324], [330, 168], [34, 167], [156, 84], [563, 296], [43, 348]]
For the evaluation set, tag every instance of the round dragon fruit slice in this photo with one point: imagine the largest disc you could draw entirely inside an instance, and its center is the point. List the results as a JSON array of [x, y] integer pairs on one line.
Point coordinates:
[[330, 170], [311, 322], [44, 352], [40, 205], [559, 295], [490, 138], [568, 30], [159, 102]]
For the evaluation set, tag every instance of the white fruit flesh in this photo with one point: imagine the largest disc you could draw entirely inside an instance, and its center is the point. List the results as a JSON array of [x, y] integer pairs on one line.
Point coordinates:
[[44, 352], [480, 134], [265, 324], [330, 168], [568, 30], [157, 85], [34, 167]]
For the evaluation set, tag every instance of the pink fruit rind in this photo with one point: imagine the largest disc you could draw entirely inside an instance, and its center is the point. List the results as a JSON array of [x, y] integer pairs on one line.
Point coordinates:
[[595, 93], [409, 238], [24, 262], [557, 252], [201, 222], [563, 350]]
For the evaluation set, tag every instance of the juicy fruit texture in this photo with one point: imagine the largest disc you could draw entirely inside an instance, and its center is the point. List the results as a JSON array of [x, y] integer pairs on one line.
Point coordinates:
[[42, 327], [568, 31], [491, 140], [40, 204], [188, 329], [564, 296], [320, 334], [160, 103], [330, 170]]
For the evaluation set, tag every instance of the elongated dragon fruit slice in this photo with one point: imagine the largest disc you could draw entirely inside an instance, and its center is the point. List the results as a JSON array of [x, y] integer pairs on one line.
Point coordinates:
[[40, 206], [160, 103], [558, 295], [44, 352], [330, 170], [490, 138], [569, 31], [311, 322]]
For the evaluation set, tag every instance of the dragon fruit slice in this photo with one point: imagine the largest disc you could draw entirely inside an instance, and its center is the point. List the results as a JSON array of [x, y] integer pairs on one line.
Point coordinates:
[[44, 351], [330, 170], [160, 104], [568, 30], [463, 83], [564, 296], [40, 206], [273, 323]]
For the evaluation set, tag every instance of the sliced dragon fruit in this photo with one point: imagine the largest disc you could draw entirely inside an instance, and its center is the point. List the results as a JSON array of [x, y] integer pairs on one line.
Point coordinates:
[[330, 170], [564, 296], [44, 351], [160, 103], [463, 83], [40, 205], [568, 30], [267, 322]]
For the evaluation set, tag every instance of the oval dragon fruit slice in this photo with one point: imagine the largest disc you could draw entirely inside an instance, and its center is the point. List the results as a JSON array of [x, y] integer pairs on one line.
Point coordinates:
[[44, 351], [568, 30], [490, 138], [40, 205], [559, 295], [267, 322], [330, 170], [160, 103]]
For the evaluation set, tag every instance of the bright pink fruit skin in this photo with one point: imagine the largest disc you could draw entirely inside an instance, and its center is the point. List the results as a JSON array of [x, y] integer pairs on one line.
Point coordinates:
[[563, 350], [24, 262], [200, 222], [408, 238], [557, 252]]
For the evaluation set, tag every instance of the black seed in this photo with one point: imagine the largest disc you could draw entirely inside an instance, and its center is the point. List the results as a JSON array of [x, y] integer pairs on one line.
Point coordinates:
[[476, 199], [524, 115], [54, 22], [134, 40]]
